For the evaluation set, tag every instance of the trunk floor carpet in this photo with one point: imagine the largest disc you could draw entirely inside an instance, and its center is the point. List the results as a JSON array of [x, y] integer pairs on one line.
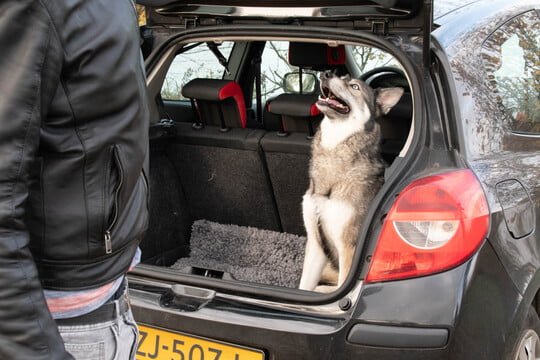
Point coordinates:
[[246, 253]]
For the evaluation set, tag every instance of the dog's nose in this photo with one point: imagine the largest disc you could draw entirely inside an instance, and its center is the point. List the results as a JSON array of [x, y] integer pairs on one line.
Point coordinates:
[[328, 74]]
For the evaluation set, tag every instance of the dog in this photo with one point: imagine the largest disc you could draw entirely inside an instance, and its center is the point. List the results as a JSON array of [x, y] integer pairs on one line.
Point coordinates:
[[346, 171]]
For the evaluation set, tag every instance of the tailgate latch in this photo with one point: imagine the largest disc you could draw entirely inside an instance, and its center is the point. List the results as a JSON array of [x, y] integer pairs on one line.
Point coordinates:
[[379, 26]]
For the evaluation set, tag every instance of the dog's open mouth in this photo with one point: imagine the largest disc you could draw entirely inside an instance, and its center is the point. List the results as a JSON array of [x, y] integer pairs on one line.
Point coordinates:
[[333, 102]]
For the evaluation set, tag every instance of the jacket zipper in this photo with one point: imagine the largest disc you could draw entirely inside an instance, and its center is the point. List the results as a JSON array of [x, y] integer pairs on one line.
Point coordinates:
[[112, 223]]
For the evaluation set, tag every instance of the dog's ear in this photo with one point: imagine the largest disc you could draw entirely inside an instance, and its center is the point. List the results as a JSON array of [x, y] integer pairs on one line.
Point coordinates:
[[387, 98]]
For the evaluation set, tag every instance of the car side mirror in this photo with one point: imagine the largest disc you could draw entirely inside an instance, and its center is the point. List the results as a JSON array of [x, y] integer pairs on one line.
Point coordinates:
[[307, 84]]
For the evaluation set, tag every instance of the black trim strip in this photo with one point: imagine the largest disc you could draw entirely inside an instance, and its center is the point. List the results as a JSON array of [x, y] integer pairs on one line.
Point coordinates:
[[397, 336]]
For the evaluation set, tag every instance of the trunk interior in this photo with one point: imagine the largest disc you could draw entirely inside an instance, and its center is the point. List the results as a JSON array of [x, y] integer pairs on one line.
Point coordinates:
[[226, 202]]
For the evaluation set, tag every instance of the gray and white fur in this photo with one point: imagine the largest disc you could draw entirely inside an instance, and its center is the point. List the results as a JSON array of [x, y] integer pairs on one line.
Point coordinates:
[[346, 171]]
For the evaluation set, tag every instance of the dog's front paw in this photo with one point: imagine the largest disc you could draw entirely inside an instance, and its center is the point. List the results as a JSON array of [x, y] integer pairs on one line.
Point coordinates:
[[325, 289]]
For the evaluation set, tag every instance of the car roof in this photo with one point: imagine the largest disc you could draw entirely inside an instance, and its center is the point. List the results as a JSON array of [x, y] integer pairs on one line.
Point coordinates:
[[463, 28], [445, 7], [466, 14]]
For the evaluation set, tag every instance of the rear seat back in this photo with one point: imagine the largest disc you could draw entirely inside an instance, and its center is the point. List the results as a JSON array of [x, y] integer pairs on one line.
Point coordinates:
[[219, 162], [287, 160]]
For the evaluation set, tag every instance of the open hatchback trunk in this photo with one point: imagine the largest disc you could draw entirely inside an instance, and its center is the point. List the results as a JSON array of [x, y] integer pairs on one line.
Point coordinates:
[[231, 136]]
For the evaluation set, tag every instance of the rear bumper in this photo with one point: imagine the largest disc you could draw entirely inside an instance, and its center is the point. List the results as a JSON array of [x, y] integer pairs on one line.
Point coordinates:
[[317, 341]]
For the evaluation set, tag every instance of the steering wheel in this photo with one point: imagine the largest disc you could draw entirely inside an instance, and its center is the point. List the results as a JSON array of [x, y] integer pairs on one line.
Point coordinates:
[[382, 73]]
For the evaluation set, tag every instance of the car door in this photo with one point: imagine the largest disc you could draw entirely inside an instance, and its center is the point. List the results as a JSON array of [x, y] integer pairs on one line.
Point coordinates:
[[500, 98]]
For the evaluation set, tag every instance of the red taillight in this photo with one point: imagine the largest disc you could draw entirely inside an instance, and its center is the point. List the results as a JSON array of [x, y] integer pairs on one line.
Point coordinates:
[[436, 223]]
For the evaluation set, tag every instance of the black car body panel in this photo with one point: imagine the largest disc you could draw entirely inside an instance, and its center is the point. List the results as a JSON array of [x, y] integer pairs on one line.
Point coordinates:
[[498, 158], [472, 311]]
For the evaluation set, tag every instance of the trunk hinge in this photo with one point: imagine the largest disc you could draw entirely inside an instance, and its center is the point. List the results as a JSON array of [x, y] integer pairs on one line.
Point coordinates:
[[191, 22], [379, 26]]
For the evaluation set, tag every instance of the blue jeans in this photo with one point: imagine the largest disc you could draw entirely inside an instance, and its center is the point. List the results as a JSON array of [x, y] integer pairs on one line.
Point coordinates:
[[109, 333]]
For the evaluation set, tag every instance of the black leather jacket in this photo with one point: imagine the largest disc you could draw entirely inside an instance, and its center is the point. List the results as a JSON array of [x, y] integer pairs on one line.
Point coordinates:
[[73, 148]]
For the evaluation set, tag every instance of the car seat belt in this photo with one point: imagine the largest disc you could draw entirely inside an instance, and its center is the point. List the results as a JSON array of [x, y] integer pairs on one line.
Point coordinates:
[[165, 124], [256, 65], [163, 115], [219, 56]]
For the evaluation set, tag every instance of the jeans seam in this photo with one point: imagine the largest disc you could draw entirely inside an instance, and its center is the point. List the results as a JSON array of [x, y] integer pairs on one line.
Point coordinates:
[[135, 344], [116, 333]]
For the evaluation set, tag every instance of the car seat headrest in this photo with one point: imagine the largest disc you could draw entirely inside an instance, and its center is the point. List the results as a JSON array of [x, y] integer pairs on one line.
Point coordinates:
[[217, 90], [316, 56], [294, 105], [298, 112]]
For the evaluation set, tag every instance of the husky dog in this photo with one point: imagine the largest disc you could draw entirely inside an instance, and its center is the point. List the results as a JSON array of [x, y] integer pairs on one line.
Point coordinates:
[[346, 171]]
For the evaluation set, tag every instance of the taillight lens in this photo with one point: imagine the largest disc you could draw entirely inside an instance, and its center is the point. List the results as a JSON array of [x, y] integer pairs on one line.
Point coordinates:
[[435, 224]]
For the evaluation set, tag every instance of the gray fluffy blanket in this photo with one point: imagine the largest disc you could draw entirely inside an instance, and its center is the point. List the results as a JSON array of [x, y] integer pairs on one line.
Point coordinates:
[[249, 254]]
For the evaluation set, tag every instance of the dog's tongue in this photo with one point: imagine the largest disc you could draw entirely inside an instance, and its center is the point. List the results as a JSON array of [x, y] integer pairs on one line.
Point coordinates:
[[329, 101], [333, 102]]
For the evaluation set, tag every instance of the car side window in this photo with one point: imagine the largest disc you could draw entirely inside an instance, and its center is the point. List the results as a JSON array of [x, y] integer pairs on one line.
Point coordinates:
[[197, 62], [511, 57]]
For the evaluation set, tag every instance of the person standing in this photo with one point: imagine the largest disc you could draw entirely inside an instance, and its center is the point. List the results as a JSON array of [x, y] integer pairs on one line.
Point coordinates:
[[73, 182]]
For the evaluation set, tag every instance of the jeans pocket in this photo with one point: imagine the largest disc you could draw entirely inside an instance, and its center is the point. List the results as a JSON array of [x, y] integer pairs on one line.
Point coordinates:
[[90, 351], [91, 342]]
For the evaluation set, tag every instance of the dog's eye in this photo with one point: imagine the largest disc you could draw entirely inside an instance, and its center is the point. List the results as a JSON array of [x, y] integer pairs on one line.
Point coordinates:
[[355, 87]]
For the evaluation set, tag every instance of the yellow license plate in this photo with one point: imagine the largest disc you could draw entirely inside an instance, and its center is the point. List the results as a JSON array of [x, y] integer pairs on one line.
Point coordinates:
[[158, 344]]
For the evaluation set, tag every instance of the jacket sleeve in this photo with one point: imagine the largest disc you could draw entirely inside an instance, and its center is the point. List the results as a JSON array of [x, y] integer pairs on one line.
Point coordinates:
[[29, 74]]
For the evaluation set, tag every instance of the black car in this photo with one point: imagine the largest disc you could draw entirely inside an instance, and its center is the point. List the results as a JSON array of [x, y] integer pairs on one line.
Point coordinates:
[[447, 261]]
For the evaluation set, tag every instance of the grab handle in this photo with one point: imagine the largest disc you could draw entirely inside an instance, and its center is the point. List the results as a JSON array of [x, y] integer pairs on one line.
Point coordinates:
[[186, 298]]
